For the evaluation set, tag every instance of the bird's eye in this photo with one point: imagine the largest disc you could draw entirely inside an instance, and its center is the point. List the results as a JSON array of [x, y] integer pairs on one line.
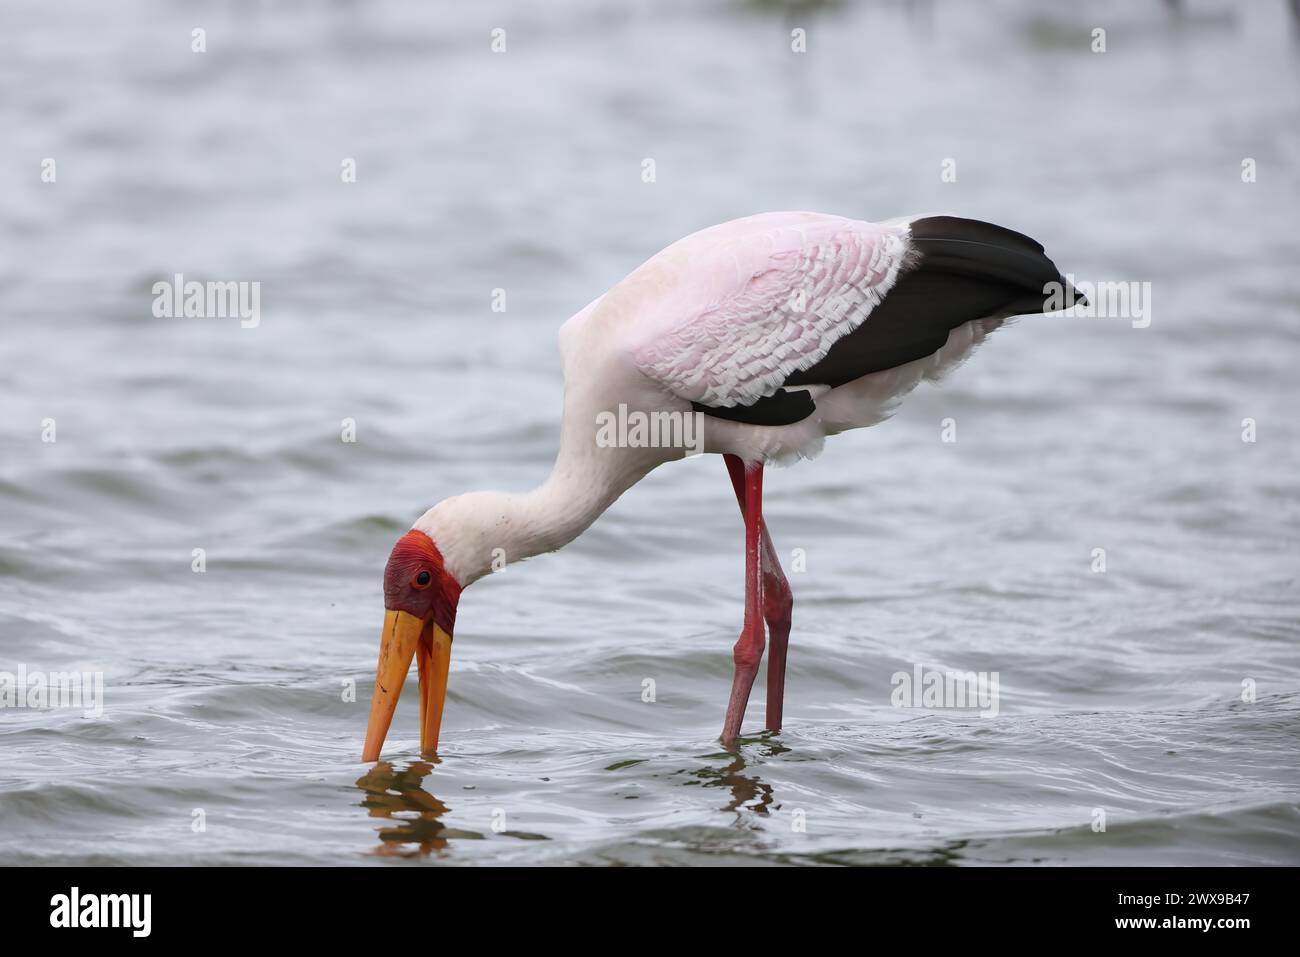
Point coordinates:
[[422, 580]]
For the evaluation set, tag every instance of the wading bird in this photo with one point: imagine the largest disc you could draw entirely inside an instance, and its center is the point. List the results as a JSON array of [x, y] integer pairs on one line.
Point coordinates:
[[777, 330]]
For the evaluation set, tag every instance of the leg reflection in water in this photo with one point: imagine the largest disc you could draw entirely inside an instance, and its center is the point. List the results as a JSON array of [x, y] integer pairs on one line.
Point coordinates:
[[397, 794], [749, 793]]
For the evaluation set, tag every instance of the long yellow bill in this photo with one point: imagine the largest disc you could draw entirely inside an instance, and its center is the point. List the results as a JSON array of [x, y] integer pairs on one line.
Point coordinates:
[[404, 636]]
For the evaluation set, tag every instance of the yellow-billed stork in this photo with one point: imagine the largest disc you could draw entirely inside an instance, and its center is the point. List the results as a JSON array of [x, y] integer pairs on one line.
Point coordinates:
[[775, 330]]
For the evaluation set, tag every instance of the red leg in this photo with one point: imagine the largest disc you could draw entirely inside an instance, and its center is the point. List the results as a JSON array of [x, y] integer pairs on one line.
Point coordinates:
[[778, 604], [748, 651]]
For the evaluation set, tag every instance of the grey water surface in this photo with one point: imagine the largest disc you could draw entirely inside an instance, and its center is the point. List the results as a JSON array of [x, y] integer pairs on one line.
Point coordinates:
[[1148, 713]]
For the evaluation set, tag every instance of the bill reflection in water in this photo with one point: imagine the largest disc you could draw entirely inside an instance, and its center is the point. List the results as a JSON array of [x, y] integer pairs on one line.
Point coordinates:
[[417, 829]]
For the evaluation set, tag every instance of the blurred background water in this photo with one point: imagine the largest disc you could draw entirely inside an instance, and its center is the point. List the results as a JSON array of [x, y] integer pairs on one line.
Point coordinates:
[[225, 691]]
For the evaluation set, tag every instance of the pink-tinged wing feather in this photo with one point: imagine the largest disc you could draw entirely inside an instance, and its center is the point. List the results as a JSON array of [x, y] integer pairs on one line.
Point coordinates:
[[745, 308]]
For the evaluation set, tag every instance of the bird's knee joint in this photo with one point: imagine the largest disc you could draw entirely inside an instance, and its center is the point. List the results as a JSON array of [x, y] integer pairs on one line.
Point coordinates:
[[778, 604], [747, 652]]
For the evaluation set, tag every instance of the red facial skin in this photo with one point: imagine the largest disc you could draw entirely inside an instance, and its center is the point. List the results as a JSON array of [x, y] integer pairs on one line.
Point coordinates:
[[415, 553]]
